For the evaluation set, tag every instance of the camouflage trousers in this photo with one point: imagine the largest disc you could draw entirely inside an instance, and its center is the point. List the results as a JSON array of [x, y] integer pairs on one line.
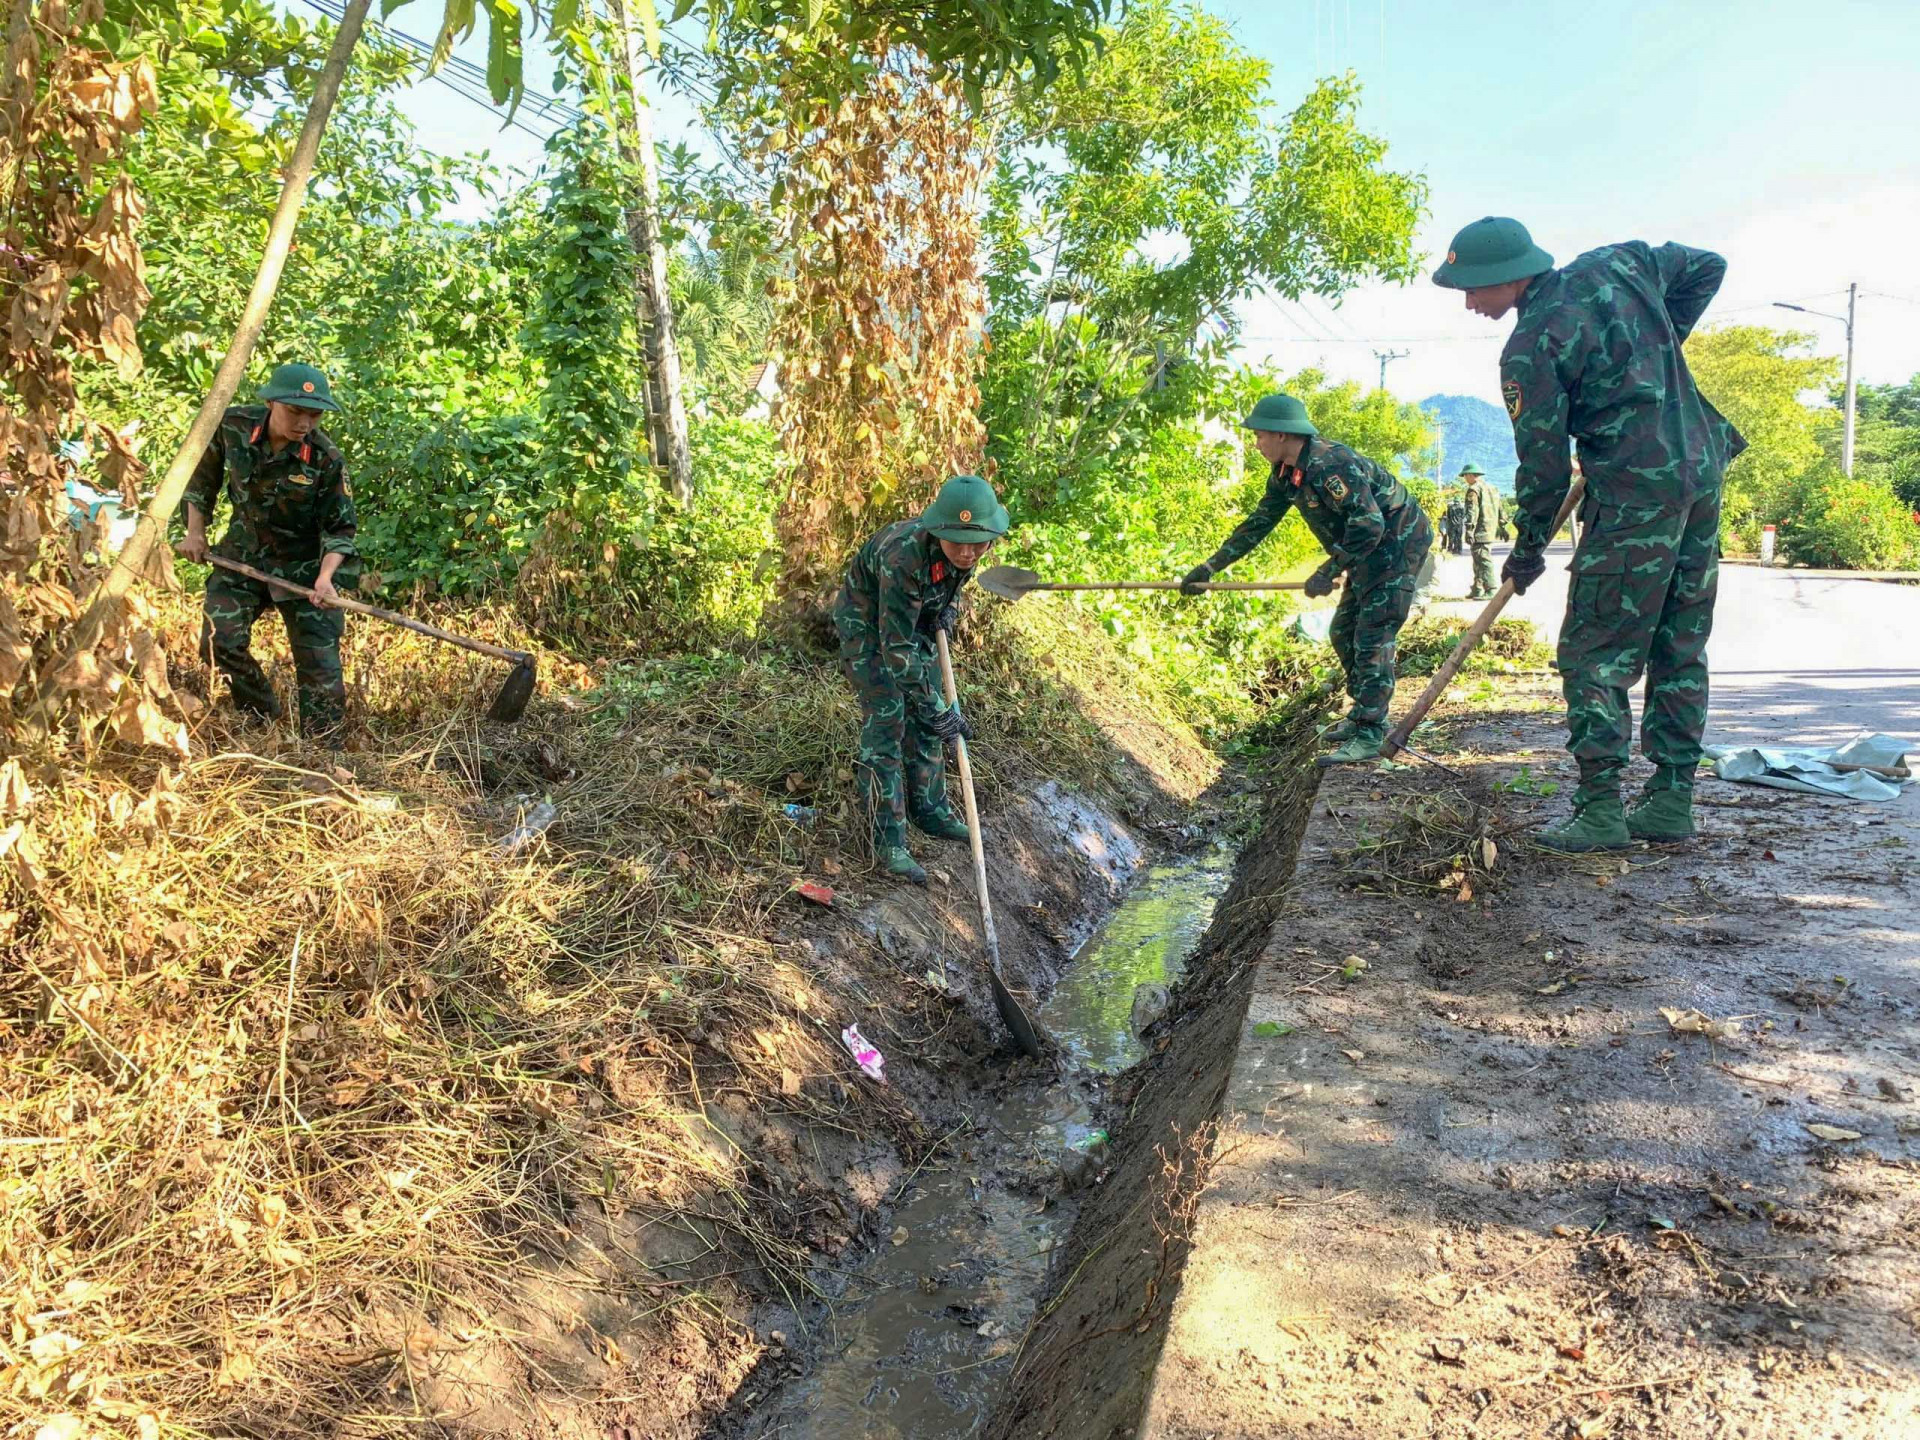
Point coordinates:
[[1365, 633], [902, 769], [233, 603], [1640, 602], [1484, 579]]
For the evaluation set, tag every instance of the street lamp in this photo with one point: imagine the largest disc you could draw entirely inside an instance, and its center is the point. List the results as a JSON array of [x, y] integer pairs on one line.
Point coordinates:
[[1846, 434]]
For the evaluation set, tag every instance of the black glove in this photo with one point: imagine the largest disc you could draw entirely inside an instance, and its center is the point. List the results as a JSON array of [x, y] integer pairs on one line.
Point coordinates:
[[1523, 570], [1321, 582], [944, 621], [1196, 577], [950, 725]]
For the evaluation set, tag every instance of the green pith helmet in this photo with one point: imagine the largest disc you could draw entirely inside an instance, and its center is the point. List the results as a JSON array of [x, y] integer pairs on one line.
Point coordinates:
[[1491, 252], [301, 385], [1280, 413], [966, 511], [1470, 469]]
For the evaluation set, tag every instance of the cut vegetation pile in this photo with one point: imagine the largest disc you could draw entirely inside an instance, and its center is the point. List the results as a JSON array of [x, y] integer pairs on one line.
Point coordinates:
[[310, 1089]]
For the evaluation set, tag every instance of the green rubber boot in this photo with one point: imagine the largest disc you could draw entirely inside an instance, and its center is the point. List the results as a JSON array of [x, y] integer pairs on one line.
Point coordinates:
[[1599, 823], [1362, 746], [942, 825], [898, 860], [1338, 731], [1664, 814]]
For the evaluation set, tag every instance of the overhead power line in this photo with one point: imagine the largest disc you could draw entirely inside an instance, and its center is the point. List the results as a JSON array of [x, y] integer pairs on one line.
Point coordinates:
[[469, 81]]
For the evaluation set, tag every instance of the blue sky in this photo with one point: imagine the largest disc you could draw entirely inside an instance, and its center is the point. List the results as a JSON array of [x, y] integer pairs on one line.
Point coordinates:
[[1780, 134]]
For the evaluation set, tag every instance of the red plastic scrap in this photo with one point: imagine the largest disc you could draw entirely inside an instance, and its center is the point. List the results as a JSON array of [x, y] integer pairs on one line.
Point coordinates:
[[812, 890]]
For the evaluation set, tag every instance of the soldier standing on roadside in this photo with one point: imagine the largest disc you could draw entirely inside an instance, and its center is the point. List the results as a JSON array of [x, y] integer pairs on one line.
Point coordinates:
[[1484, 519], [1453, 525], [1374, 533], [293, 518], [1596, 355], [902, 586]]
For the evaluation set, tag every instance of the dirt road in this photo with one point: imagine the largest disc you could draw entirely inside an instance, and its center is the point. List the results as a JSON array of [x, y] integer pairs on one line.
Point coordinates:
[[1582, 1147]]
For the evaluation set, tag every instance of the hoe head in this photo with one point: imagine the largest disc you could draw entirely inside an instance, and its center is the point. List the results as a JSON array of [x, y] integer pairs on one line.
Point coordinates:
[[511, 703], [1009, 582]]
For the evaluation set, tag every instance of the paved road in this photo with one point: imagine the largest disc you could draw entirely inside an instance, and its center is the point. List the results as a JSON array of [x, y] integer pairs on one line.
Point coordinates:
[[1794, 661]]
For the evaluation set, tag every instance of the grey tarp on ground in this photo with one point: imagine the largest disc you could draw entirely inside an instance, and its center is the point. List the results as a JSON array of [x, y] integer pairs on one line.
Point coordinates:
[[1810, 768]]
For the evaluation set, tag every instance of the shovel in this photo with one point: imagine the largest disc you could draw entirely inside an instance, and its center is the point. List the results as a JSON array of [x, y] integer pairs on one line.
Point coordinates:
[[1010, 582], [507, 706], [1396, 740], [1024, 1032]]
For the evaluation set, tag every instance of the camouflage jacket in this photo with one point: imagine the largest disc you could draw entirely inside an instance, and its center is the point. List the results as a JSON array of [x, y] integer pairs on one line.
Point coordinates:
[[289, 509], [1596, 355], [1484, 513], [1456, 514], [895, 589], [1364, 517]]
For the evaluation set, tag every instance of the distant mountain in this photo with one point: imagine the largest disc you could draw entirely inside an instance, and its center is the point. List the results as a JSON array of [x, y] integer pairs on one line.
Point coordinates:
[[1477, 430]]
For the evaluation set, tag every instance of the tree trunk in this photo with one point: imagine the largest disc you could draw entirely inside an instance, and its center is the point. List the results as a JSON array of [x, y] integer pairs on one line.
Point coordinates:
[[654, 305], [661, 441], [134, 555]]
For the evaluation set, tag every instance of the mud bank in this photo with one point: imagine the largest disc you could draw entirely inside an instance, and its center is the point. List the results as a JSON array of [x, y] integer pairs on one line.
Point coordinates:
[[1084, 1365]]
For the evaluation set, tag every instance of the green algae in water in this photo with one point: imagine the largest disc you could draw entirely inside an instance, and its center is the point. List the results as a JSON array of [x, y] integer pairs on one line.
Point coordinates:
[[1146, 941]]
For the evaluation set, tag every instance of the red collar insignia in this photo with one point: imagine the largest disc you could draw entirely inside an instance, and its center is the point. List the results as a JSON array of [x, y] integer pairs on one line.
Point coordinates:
[[939, 571]]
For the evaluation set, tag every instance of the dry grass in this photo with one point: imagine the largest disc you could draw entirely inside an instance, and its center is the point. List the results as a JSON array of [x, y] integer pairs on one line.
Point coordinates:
[[1442, 843], [302, 1078]]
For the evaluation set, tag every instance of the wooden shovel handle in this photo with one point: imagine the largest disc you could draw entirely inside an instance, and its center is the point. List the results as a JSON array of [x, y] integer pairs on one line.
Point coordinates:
[[1476, 632], [1169, 585], [360, 607], [991, 935]]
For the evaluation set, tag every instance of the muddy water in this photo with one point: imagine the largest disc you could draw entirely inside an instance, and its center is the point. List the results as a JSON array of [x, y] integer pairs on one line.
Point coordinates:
[[919, 1346]]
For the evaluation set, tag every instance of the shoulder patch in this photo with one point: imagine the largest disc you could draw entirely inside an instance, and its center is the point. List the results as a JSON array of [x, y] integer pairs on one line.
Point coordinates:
[[1510, 392], [1337, 487]]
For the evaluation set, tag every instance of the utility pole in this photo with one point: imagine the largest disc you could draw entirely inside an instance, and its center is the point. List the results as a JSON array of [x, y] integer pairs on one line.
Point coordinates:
[[1846, 431], [1846, 435], [1384, 356]]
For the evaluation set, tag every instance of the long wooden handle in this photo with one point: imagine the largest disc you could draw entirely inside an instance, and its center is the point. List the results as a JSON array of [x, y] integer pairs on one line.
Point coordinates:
[[973, 810], [1170, 585], [1890, 772], [1476, 632], [360, 607]]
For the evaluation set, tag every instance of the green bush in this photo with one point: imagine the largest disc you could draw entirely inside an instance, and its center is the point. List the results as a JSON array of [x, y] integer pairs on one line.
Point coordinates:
[[1848, 524], [459, 512], [707, 572]]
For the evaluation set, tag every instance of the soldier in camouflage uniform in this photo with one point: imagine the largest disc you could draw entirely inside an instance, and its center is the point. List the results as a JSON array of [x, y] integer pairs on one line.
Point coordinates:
[[1596, 355], [1453, 526], [901, 587], [1485, 518], [1374, 533], [292, 517]]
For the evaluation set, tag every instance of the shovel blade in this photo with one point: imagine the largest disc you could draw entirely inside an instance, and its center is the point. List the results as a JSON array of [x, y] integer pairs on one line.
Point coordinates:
[[511, 703], [1025, 1033], [1009, 582]]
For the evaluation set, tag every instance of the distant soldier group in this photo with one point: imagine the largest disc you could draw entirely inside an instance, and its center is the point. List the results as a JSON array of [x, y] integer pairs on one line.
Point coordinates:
[[1595, 359]]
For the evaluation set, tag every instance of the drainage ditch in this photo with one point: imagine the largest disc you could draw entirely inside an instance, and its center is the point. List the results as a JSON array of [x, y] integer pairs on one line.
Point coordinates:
[[1025, 1278]]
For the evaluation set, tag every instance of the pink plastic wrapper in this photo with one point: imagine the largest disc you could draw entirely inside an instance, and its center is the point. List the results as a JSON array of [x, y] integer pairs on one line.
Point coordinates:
[[871, 1062]]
